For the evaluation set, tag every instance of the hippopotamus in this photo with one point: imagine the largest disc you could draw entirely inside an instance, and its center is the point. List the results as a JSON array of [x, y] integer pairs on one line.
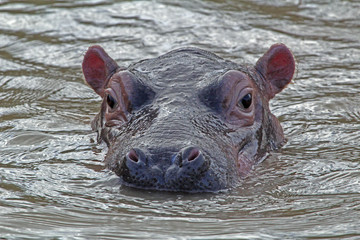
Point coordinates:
[[188, 120]]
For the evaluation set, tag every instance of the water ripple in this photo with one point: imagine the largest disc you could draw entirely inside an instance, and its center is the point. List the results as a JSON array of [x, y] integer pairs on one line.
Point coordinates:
[[52, 180]]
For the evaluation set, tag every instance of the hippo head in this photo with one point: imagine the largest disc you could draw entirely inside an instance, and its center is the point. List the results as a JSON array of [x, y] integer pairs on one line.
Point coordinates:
[[187, 120]]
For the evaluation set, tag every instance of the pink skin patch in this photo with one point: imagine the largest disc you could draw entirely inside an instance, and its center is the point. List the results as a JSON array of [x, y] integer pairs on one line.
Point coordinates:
[[244, 165]]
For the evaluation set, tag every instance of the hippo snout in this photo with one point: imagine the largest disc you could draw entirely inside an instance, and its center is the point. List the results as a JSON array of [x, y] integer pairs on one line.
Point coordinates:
[[187, 169]]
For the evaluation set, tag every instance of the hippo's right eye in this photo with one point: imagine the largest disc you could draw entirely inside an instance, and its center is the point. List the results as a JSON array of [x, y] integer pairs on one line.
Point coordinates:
[[111, 101], [246, 101]]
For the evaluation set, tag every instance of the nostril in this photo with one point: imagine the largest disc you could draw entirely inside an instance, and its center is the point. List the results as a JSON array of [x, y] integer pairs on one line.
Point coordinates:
[[190, 154], [133, 156], [193, 154]]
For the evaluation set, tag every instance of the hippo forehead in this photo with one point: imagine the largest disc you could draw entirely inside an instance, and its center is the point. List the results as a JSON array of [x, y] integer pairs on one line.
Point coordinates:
[[184, 69]]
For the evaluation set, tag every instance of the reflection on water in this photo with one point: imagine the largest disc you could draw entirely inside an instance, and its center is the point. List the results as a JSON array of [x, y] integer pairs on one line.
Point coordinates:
[[52, 181]]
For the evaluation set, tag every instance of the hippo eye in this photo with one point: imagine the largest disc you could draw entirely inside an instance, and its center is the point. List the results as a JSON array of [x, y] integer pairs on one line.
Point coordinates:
[[110, 101], [246, 101]]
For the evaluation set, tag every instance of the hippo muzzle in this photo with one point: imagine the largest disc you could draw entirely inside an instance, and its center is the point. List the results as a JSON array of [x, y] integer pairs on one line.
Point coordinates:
[[187, 170]]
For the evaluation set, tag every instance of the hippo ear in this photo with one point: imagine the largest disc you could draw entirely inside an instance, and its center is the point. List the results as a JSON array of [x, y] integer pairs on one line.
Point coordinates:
[[97, 66], [277, 66]]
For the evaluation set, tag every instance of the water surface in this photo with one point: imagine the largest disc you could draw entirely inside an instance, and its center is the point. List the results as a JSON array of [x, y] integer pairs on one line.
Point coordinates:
[[52, 181]]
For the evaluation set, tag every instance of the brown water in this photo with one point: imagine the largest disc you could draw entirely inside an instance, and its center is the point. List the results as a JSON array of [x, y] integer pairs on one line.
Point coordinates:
[[52, 181]]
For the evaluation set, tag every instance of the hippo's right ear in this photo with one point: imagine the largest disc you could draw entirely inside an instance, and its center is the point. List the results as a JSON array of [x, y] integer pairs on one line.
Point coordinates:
[[97, 66], [277, 66]]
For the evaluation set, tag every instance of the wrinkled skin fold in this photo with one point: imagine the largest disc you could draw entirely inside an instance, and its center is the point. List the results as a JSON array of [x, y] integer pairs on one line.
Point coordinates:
[[187, 120]]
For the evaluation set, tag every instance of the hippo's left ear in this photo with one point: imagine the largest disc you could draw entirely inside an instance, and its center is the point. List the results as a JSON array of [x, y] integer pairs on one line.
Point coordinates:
[[277, 66], [97, 67]]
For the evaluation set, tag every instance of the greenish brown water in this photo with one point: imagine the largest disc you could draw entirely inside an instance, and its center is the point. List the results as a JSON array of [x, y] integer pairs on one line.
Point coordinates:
[[52, 181]]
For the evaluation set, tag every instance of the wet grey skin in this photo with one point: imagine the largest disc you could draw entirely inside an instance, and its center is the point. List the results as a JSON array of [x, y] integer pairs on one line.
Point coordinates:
[[187, 120]]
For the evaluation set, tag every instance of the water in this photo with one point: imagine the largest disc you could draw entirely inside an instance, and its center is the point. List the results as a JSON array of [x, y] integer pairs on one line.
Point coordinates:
[[52, 181]]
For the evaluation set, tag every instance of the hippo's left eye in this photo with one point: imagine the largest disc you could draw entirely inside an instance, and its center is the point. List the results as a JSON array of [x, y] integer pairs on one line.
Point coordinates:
[[111, 101], [246, 101]]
